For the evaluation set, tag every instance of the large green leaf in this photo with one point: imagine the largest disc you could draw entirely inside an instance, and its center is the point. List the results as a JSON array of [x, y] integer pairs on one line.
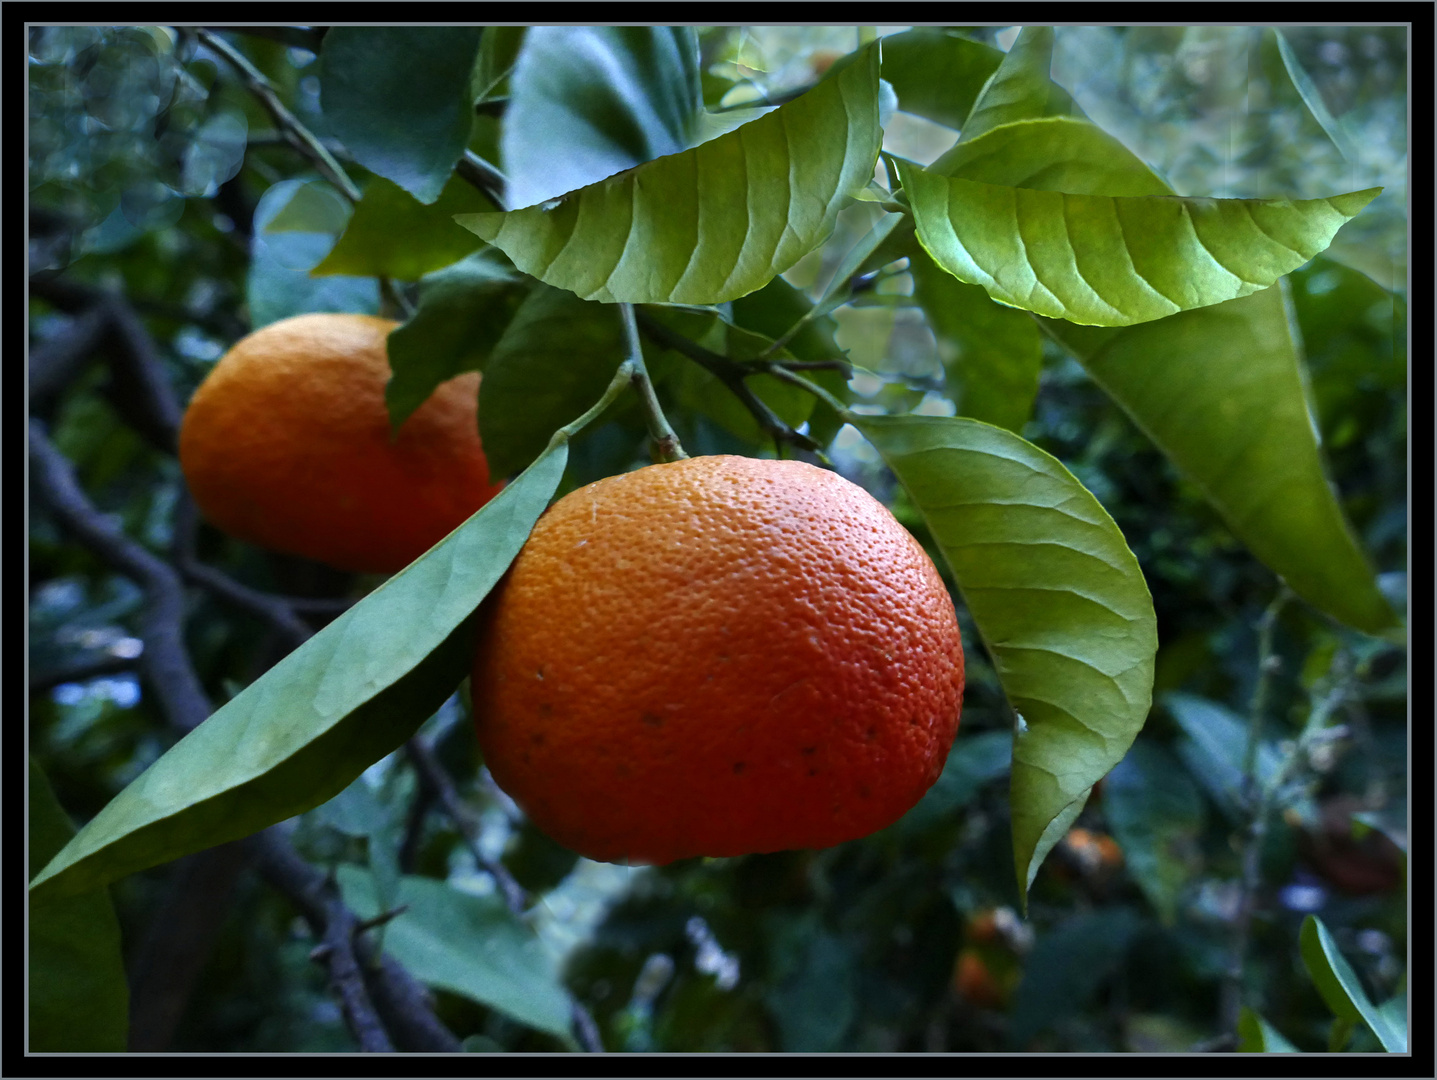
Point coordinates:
[[1219, 390], [464, 310], [714, 222], [398, 98], [1340, 987], [79, 1001], [991, 354], [1021, 88], [302, 732], [936, 73], [466, 944], [586, 102], [1054, 153], [552, 363], [1056, 595], [393, 234], [1115, 261], [1156, 814]]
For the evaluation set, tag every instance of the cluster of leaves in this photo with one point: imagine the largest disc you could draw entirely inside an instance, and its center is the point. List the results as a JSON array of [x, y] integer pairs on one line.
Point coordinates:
[[1057, 290]]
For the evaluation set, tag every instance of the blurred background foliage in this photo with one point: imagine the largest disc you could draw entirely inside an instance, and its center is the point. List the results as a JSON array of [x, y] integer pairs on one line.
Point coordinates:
[[149, 164]]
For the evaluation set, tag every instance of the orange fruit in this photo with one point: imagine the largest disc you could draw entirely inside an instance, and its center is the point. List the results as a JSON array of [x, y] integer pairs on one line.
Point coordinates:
[[286, 444], [717, 656]]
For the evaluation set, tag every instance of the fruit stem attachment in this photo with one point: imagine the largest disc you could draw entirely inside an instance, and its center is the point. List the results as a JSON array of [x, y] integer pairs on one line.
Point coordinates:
[[666, 444]]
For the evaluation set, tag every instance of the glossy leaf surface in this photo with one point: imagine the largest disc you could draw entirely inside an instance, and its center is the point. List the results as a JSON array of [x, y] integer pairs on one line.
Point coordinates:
[[302, 732], [1058, 598], [1115, 261], [714, 222], [1340, 987]]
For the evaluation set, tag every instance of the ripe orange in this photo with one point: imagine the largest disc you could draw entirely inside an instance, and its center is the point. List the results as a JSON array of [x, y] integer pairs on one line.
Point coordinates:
[[286, 444], [717, 656]]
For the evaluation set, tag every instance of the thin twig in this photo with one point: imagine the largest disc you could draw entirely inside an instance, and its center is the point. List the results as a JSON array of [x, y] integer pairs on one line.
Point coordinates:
[[666, 444], [731, 373], [480, 174], [95, 668], [303, 139], [434, 777]]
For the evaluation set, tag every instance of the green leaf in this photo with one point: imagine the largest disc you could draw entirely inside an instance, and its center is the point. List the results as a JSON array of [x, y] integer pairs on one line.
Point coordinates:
[[314, 208], [1056, 595], [1156, 814], [393, 234], [1115, 261], [1220, 392], [991, 354], [1215, 747], [398, 98], [468, 945], [302, 732], [498, 53], [714, 222], [938, 74], [1304, 85], [278, 284], [1340, 988], [586, 102], [972, 763], [464, 310], [1021, 88], [552, 363], [79, 1000], [1256, 1036], [1055, 153], [814, 985]]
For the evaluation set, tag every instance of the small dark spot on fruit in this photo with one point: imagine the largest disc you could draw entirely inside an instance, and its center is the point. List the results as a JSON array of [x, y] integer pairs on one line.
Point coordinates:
[[807, 750], [870, 733], [737, 767], [537, 738], [812, 772], [546, 709], [652, 720]]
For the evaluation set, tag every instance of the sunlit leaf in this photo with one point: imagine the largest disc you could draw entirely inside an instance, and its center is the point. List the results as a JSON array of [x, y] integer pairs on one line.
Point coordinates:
[[1021, 87], [398, 98], [303, 731], [1115, 261], [1220, 392], [76, 969], [1058, 598], [468, 945], [393, 234], [586, 102], [711, 223], [1340, 987]]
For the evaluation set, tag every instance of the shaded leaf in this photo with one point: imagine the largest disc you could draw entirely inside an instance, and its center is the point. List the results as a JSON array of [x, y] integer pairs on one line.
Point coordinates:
[[814, 986], [1021, 88], [936, 73], [76, 969], [314, 208], [1066, 967], [972, 762], [991, 354], [498, 53], [1115, 261], [1156, 814], [398, 98], [586, 102], [302, 732], [1055, 153], [1304, 85], [1340, 987], [552, 363], [468, 945], [1220, 392], [1056, 595], [463, 311], [1256, 1036], [278, 284], [1214, 749], [392, 234], [711, 223]]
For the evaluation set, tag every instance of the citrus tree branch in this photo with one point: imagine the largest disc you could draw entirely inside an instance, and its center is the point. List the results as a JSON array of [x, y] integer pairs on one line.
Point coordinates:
[[666, 443]]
